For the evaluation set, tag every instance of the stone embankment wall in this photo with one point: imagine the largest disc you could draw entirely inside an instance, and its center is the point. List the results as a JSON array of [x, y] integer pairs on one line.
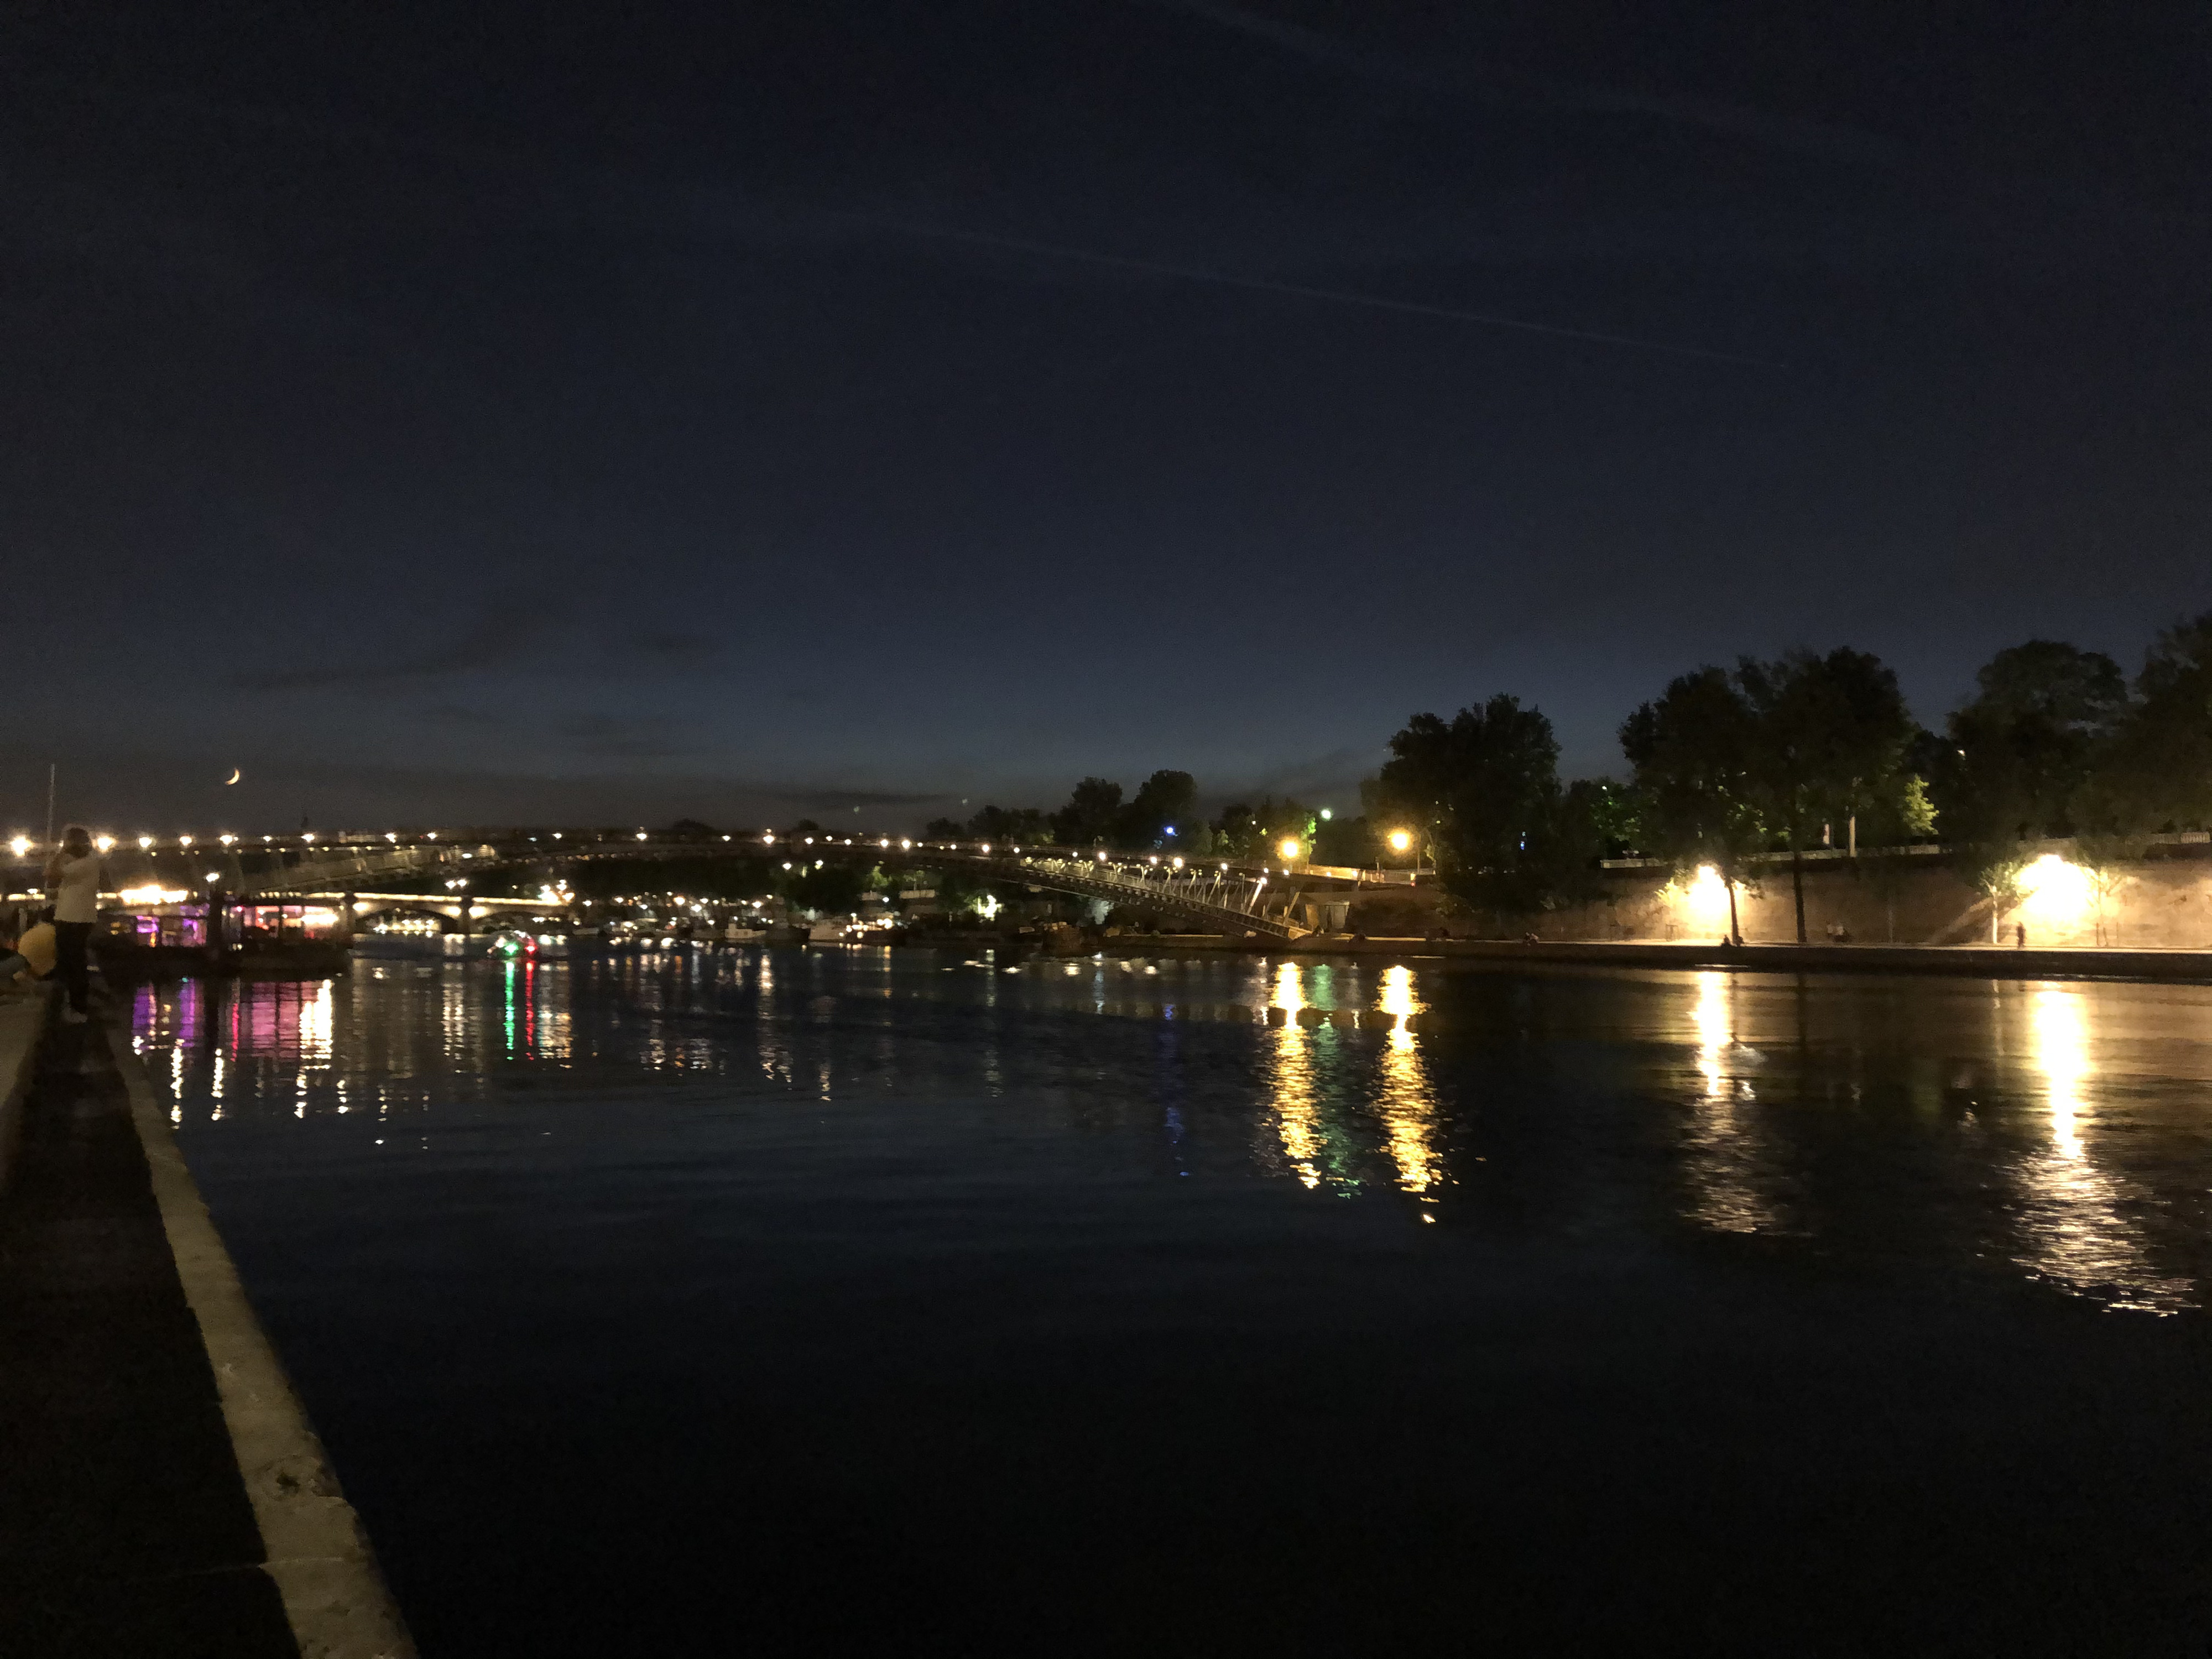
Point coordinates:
[[2161, 902]]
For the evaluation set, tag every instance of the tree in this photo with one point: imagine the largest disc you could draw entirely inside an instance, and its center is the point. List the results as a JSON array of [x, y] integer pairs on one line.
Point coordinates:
[[2157, 770], [1166, 805], [1484, 790], [828, 888], [2022, 752], [1829, 738], [1255, 832], [1345, 842], [1021, 824], [1694, 751], [1089, 816]]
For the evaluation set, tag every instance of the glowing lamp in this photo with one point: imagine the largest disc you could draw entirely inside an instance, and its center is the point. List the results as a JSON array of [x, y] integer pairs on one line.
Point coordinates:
[[1399, 840], [1290, 849]]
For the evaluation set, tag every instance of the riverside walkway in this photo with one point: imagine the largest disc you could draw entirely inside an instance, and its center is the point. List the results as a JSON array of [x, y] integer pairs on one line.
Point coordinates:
[[162, 1498]]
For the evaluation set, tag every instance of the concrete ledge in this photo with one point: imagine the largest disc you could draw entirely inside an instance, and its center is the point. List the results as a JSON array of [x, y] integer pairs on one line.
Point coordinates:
[[22, 1027], [1979, 961], [1974, 961], [317, 1553]]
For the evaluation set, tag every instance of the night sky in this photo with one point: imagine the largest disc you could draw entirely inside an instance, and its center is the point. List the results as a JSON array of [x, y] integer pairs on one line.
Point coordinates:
[[597, 413]]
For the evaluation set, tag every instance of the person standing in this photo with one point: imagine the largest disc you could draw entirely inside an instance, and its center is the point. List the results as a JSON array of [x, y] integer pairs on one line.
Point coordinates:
[[74, 875]]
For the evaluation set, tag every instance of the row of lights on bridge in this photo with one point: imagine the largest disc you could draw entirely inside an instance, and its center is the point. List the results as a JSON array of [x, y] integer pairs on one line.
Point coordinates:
[[1290, 848]]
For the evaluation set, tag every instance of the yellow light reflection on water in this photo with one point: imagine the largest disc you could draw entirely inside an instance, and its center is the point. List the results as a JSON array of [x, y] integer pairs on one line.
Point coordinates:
[[2078, 1223], [1406, 1103], [1297, 1114], [1710, 1017], [2061, 1035], [1730, 1164]]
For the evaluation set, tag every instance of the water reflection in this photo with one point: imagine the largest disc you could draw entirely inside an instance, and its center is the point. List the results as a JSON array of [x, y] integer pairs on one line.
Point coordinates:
[[1732, 1173], [2080, 1231], [1404, 1102], [1297, 1110], [2058, 1130]]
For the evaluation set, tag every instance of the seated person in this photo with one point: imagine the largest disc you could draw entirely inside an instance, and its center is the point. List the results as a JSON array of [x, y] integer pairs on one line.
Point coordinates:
[[32, 955]]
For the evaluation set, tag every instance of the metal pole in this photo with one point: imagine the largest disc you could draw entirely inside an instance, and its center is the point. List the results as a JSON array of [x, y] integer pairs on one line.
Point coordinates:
[[50, 803]]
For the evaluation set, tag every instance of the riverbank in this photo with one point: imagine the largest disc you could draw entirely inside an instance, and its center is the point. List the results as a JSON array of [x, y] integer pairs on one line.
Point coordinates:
[[164, 1493], [1979, 961]]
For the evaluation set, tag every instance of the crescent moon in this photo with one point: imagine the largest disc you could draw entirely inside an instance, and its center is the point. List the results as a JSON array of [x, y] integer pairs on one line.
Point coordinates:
[[234, 776]]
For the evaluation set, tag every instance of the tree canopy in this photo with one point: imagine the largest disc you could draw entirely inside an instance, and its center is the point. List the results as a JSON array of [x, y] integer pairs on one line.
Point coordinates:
[[1483, 790]]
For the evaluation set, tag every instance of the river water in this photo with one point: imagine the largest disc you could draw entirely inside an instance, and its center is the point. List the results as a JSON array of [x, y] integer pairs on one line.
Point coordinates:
[[873, 1302]]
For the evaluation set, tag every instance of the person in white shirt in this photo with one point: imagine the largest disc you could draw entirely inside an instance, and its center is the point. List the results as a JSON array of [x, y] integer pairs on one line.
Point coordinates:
[[74, 877]]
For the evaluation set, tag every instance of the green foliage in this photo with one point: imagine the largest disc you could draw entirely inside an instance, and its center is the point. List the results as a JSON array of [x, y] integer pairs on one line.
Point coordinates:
[[1255, 832], [1346, 841], [2157, 771], [1830, 736], [1695, 754], [1485, 790], [2022, 755]]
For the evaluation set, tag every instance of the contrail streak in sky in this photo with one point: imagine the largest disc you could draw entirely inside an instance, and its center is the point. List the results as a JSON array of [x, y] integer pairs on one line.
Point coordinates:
[[1298, 290]]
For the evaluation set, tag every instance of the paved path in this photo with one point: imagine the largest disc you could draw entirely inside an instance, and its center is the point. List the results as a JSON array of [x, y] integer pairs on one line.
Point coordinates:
[[125, 1525]]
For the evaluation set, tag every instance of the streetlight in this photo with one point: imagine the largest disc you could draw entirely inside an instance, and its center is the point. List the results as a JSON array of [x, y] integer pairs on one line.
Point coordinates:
[[1290, 849], [1401, 840]]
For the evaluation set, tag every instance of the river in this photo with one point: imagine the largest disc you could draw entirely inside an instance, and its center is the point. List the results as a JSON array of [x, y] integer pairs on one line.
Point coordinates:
[[867, 1301]]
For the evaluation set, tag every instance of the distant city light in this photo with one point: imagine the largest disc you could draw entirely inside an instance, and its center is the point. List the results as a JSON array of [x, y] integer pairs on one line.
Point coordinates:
[[226, 840], [20, 845], [186, 841], [144, 841], [103, 842]]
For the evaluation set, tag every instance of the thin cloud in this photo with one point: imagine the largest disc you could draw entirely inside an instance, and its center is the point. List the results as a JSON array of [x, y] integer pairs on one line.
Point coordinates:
[[495, 639], [1492, 81]]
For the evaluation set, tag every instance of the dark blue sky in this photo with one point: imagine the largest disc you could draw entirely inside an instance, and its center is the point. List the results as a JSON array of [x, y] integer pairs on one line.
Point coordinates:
[[594, 412]]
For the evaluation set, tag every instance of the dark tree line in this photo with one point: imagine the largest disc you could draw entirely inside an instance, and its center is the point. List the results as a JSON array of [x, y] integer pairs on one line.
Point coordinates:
[[1164, 809], [1729, 767]]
